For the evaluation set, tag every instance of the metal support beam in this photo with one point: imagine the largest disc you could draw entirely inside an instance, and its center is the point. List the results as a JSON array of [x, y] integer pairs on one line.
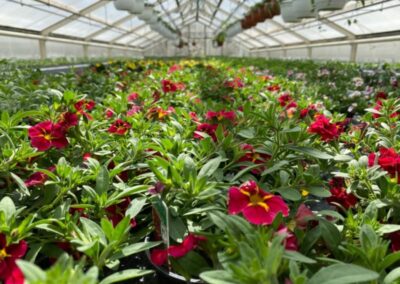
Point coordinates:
[[338, 28], [286, 29], [75, 14], [353, 52], [116, 23], [42, 49]]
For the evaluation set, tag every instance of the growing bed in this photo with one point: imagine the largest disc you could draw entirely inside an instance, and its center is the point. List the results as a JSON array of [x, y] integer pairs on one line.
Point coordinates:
[[214, 171]]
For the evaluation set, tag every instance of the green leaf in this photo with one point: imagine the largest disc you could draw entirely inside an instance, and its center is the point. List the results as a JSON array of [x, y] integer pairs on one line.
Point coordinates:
[[125, 275], [343, 273], [289, 193], [31, 272], [102, 181], [8, 207], [134, 248], [21, 185], [277, 166], [294, 255], [330, 233], [392, 276], [210, 167], [217, 277], [94, 230], [319, 191], [311, 152], [390, 260], [388, 228], [135, 207], [247, 133]]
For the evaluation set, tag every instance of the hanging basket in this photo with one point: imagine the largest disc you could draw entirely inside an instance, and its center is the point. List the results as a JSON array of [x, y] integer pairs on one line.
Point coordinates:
[[288, 12], [329, 5], [132, 6], [303, 8], [275, 8], [147, 14]]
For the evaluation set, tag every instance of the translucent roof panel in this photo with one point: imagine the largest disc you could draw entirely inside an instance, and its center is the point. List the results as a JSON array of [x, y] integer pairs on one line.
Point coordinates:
[[382, 17], [77, 4], [317, 31], [108, 13], [29, 14], [108, 35], [81, 27], [286, 37]]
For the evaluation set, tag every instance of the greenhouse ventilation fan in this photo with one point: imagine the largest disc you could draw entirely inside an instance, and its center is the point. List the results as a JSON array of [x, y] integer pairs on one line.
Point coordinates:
[[132, 6]]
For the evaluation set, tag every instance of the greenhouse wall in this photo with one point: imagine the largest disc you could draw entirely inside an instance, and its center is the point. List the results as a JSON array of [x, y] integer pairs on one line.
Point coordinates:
[[19, 48]]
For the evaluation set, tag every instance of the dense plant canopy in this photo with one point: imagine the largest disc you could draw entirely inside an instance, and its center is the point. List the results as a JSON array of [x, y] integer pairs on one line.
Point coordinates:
[[229, 171]]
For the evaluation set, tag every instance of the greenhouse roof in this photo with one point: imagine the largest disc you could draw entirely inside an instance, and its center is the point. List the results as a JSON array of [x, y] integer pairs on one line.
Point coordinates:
[[98, 22]]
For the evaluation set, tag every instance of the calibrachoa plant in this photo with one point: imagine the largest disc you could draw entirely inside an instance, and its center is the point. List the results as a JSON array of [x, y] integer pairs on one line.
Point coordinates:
[[226, 171]]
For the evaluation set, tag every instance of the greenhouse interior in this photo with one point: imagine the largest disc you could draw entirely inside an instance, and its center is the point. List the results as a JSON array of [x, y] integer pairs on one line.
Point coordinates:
[[199, 141]]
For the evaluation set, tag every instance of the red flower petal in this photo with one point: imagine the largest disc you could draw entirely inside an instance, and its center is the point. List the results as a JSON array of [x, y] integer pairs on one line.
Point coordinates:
[[237, 201], [158, 256]]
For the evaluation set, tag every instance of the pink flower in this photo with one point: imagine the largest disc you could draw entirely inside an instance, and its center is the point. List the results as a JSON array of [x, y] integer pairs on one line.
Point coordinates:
[[134, 110], [257, 206]]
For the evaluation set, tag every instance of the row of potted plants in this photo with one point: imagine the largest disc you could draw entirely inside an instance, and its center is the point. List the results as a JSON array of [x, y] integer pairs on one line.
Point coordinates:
[[220, 171]]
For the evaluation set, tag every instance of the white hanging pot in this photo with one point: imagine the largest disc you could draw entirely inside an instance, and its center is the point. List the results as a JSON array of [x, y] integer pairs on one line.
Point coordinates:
[[288, 12], [132, 6], [234, 29], [329, 5], [303, 8], [146, 14]]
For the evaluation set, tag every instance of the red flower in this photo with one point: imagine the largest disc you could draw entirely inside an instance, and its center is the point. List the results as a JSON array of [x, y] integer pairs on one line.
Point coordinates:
[[381, 95], [159, 256], [206, 128], [83, 105], [339, 194], [395, 241], [170, 87], [86, 156], [190, 242], [388, 159], [290, 241], [133, 97], [284, 99], [116, 212], [274, 88], [236, 83], [323, 127], [251, 155], [159, 113], [38, 178], [378, 107], [119, 127], [221, 115], [9, 271], [46, 134], [258, 207], [307, 110], [193, 116], [109, 112], [68, 120]]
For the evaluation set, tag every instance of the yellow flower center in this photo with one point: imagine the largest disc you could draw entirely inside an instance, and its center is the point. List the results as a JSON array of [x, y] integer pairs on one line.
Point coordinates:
[[47, 137], [3, 254], [255, 157], [304, 193]]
